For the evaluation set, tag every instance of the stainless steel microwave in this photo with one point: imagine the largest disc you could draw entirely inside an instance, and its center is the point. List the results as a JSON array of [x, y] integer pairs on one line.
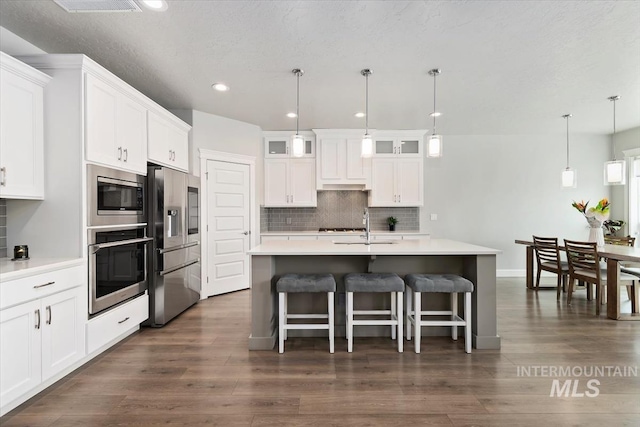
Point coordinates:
[[115, 197]]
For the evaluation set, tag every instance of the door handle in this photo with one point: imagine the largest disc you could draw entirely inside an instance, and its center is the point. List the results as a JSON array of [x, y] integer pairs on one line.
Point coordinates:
[[123, 320], [119, 153], [246, 233], [3, 181], [48, 315], [37, 312]]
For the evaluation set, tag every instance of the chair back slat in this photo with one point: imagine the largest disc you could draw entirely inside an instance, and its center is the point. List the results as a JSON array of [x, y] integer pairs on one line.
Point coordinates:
[[584, 261], [622, 241], [547, 251]]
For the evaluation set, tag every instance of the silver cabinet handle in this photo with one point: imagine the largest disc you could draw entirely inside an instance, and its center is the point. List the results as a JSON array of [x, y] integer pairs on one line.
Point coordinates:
[[48, 315], [399, 200], [43, 285], [119, 153], [3, 181], [123, 320], [38, 317], [126, 154]]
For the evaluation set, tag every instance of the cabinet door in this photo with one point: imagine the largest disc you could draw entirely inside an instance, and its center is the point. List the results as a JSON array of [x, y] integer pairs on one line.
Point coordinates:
[[101, 116], [332, 153], [384, 147], [383, 188], [409, 182], [20, 368], [167, 144], [21, 138], [179, 144], [62, 331], [275, 182], [410, 147], [302, 182], [131, 134], [276, 147], [358, 168]]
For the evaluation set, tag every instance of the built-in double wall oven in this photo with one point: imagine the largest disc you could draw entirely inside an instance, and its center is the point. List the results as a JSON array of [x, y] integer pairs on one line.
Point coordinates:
[[118, 246]]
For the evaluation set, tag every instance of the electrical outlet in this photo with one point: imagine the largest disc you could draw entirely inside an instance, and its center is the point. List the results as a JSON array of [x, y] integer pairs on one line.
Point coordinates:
[[288, 221], [434, 217]]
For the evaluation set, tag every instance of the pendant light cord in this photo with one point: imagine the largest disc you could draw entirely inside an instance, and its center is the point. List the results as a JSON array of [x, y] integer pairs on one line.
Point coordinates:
[[434, 103], [567, 117], [613, 138], [297, 100], [366, 104]]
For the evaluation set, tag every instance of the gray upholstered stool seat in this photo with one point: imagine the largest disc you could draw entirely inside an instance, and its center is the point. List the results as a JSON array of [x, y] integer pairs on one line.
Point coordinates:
[[306, 283], [438, 283], [311, 283], [375, 282]]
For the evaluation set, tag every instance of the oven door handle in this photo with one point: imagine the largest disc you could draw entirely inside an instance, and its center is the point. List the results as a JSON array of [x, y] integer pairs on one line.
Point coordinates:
[[96, 247], [179, 267], [175, 248]]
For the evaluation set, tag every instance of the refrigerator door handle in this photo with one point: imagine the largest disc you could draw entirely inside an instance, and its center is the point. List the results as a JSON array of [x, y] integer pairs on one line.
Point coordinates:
[[179, 267], [175, 248]]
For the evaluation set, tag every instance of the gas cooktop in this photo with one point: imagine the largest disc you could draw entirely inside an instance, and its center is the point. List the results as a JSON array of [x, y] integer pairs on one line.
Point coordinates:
[[341, 230]]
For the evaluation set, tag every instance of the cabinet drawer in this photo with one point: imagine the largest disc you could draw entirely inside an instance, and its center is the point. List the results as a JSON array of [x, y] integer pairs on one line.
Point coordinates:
[[25, 289], [108, 326]]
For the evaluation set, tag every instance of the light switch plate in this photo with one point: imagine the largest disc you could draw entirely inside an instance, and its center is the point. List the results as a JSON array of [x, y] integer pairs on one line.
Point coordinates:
[[434, 217]]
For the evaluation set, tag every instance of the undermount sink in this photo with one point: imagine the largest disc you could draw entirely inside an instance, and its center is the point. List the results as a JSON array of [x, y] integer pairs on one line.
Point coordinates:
[[374, 242]]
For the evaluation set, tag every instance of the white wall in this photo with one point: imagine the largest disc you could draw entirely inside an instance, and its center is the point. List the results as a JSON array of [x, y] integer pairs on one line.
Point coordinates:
[[491, 190], [14, 45], [626, 140]]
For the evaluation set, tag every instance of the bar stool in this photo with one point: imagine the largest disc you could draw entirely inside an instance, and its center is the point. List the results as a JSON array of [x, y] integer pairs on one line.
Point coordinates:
[[443, 283], [311, 283], [375, 282]]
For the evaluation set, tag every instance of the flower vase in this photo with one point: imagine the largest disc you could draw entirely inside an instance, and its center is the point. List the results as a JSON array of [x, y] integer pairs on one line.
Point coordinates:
[[596, 234]]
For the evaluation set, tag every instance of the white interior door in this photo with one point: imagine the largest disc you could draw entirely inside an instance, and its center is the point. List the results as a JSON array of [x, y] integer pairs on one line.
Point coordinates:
[[228, 240]]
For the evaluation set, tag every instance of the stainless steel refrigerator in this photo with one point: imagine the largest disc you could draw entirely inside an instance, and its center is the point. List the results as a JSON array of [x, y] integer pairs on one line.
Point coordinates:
[[174, 223]]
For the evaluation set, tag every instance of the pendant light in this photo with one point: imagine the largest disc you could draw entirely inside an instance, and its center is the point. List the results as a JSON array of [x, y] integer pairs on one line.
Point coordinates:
[[297, 140], [367, 141], [615, 170], [568, 175], [434, 144]]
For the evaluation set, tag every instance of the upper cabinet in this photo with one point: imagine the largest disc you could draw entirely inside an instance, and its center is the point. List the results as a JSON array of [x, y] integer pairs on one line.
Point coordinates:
[[21, 129], [116, 127], [404, 143], [290, 183], [168, 142], [338, 161], [277, 145]]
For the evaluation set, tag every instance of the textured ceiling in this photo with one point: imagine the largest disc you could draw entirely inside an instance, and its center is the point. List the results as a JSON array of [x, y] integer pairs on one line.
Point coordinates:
[[508, 67]]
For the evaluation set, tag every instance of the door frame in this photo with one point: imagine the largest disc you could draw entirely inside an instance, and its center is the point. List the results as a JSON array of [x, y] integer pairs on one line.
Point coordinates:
[[205, 156]]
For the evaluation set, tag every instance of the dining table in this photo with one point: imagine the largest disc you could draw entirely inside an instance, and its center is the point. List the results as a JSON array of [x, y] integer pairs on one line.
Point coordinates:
[[613, 254]]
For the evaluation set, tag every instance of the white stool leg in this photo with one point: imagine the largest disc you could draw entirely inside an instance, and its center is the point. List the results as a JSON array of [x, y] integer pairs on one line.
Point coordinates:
[[454, 313], [407, 295], [417, 312], [399, 317], [286, 313], [467, 319], [393, 314], [330, 298], [281, 321], [349, 322]]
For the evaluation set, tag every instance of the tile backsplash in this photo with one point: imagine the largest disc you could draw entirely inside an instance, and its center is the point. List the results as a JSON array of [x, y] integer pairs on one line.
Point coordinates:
[[337, 209], [3, 228]]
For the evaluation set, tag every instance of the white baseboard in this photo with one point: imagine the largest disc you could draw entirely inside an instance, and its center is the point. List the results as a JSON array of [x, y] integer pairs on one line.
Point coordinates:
[[520, 273]]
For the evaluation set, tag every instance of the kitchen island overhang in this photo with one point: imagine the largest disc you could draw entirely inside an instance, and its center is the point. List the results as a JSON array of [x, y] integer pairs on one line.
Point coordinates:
[[274, 258]]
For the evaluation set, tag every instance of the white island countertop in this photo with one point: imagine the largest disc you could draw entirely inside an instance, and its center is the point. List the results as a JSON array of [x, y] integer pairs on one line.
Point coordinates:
[[12, 270], [425, 246]]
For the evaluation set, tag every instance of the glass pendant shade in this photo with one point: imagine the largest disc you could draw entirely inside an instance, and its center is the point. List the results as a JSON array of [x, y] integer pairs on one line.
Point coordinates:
[[615, 172], [569, 178], [297, 142], [434, 146], [367, 146], [636, 167]]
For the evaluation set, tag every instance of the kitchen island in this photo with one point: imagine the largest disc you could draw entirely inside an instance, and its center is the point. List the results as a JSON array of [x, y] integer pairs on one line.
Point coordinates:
[[274, 258]]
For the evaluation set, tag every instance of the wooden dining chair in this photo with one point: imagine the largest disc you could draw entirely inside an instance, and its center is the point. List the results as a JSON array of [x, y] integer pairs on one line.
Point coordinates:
[[584, 265], [548, 259], [622, 241], [625, 267]]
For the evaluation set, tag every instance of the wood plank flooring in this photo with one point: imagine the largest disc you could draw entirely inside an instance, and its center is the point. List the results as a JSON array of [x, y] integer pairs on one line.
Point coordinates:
[[197, 371]]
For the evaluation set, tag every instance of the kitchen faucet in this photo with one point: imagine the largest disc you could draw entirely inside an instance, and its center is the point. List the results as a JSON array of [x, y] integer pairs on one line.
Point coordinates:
[[367, 231]]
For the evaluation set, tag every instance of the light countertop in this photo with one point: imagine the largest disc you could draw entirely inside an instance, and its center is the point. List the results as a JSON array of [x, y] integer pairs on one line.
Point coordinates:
[[11, 270], [424, 246], [338, 233]]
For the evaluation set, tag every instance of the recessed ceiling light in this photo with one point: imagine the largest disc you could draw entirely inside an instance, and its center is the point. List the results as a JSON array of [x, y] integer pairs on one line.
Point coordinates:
[[220, 87], [292, 115], [435, 114], [157, 5], [359, 115]]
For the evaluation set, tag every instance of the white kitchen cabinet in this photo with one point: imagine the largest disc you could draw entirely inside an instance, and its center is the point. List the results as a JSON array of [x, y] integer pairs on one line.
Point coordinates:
[[168, 142], [40, 336], [21, 129], [116, 127], [390, 143], [396, 182], [277, 144], [290, 183], [339, 162]]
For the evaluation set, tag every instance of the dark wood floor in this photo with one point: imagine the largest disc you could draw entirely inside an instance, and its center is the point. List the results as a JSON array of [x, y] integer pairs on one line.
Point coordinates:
[[197, 371]]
